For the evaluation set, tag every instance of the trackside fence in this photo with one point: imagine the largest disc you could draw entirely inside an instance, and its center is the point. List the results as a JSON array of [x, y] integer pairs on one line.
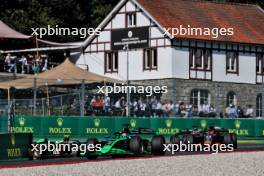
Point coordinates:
[[57, 127]]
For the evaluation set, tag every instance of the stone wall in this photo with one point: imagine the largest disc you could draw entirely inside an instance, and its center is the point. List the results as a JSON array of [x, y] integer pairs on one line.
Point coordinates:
[[180, 90]]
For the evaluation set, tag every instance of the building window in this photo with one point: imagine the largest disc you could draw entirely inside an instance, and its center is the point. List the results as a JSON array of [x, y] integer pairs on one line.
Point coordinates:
[[111, 62], [199, 97], [232, 62], [259, 106], [231, 99], [150, 59], [260, 63], [200, 59], [131, 19]]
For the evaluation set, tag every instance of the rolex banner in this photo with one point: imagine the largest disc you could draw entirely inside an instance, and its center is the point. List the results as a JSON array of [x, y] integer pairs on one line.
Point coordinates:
[[15, 146], [85, 127]]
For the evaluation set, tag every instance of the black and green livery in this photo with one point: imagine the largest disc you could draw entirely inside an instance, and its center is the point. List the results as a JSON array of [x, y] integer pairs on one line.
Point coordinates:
[[136, 142]]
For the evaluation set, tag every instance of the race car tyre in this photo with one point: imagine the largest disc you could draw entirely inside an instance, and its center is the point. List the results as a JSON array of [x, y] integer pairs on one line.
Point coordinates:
[[136, 145], [175, 139], [90, 154], [227, 139], [157, 145], [234, 139], [188, 139]]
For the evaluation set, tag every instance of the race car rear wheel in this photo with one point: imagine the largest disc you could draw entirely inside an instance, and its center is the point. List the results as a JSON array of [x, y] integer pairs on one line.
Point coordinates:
[[136, 145], [157, 145], [175, 139], [234, 139], [90, 154], [227, 139]]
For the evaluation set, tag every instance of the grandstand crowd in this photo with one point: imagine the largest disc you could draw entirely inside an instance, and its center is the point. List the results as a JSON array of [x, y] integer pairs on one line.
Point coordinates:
[[154, 107]]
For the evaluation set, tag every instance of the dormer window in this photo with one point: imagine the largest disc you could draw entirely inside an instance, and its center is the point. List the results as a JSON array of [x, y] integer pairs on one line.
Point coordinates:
[[131, 19]]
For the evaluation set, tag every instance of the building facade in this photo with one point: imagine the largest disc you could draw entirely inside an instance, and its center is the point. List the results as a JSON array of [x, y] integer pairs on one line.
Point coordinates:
[[224, 70]]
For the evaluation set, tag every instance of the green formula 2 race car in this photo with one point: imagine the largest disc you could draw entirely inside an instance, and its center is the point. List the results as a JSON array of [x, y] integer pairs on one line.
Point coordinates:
[[135, 142]]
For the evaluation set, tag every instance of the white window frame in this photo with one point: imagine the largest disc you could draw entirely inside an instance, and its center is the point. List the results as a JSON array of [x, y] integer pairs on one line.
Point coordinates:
[[230, 65], [148, 56], [260, 63], [204, 52], [199, 97], [114, 59], [131, 19]]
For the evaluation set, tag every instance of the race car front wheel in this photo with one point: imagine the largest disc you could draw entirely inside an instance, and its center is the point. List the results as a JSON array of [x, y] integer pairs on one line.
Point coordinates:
[[136, 145]]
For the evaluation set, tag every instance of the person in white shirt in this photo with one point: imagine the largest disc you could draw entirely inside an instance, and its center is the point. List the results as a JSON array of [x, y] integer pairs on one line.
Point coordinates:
[[118, 104], [205, 108], [45, 66], [159, 109], [10, 61], [250, 111], [24, 63]]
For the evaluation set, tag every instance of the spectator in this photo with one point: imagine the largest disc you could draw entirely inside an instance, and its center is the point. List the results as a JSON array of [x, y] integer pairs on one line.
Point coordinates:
[[240, 112], [158, 110], [23, 61], [143, 107], [119, 106], [205, 108], [232, 112], [8, 61], [11, 62], [135, 108], [75, 106], [182, 109], [227, 110], [92, 101], [177, 107], [195, 111], [98, 105], [167, 108], [153, 103], [249, 112], [107, 103], [44, 64], [212, 111]]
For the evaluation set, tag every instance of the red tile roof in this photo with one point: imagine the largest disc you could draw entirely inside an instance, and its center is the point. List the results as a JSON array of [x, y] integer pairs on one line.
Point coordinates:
[[246, 20]]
